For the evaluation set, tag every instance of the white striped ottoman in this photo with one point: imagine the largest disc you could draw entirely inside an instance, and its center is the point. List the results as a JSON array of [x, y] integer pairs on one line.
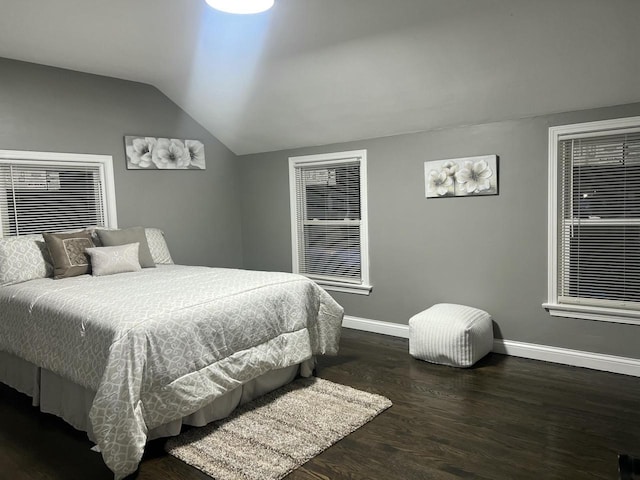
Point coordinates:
[[450, 334]]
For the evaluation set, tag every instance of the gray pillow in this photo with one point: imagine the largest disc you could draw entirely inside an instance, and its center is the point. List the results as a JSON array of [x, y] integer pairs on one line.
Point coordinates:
[[67, 253], [113, 238], [110, 260]]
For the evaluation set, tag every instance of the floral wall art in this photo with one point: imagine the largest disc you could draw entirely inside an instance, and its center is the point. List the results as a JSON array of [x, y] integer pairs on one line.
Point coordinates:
[[149, 153], [461, 177]]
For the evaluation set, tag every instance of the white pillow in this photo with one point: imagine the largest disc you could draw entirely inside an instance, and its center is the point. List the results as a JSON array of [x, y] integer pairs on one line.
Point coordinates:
[[24, 258], [158, 246], [118, 259]]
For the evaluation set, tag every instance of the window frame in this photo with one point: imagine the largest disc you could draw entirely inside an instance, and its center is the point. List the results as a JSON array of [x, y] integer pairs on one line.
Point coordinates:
[[47, 159], [330, 159], [554, 305]]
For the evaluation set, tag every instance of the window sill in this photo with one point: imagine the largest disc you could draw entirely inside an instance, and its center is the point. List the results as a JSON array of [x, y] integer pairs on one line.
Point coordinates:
[[601, 314], [345, 288]]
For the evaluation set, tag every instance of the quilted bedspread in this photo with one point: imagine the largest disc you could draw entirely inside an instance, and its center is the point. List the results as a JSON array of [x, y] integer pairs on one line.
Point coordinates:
[[159, 344]]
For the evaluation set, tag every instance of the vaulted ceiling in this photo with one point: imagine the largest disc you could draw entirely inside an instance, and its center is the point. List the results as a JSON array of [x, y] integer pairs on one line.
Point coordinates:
[[313, 72]]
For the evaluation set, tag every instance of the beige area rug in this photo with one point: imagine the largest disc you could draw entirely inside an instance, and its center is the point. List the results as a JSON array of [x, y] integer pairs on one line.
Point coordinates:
[[268, 438]]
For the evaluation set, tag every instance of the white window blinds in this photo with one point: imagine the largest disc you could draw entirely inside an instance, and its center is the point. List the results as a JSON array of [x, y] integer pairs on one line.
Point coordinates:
[[329, 219], [599, 231], [39, 195]]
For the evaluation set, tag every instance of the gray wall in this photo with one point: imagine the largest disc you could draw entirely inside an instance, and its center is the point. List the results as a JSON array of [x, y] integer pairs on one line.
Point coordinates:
[[51, 109], [488, 252]]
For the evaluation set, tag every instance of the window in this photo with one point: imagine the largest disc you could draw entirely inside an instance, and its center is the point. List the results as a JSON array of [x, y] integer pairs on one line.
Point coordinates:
[[329, 219], [594, 221], [42, 191]]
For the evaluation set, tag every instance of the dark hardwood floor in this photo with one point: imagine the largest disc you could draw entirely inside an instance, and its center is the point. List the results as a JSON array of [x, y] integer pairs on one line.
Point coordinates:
[[506, 418]]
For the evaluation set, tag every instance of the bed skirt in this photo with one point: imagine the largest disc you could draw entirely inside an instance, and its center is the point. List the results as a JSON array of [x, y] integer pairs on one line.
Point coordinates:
[[72, 402]]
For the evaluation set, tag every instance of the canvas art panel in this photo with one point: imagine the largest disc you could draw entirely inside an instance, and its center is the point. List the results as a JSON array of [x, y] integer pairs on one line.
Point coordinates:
[[150, 153], [461, 177]]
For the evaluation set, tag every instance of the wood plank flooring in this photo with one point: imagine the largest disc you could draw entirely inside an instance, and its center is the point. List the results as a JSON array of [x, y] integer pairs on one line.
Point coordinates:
[[506, 418]]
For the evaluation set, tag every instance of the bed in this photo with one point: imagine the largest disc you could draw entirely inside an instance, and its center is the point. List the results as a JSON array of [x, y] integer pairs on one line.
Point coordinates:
[[132, 356]]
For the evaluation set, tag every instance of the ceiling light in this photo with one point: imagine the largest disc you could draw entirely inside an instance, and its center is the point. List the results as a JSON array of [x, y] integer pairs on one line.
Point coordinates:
[[241, 6]]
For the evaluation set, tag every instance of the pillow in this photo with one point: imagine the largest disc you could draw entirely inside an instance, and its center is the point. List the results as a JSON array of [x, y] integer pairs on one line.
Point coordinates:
[[158, 246], [113, 238], [118, 259], [67, 253], [23, 258]]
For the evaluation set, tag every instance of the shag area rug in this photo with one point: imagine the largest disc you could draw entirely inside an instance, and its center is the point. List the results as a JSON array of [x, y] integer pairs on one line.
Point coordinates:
[[268, 438]]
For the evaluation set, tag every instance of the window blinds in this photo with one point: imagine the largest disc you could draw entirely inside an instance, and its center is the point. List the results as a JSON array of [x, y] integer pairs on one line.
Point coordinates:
[[36, 197], [599, 215], [328, 220]]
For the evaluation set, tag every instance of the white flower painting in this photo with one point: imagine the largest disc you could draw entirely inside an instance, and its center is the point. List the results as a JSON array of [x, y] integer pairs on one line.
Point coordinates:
[[164, 153], [461, 177]]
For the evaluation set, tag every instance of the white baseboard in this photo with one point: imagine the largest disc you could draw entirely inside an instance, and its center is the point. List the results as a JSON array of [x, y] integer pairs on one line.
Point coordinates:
[[566, 356], [376, 326], [546, 353]]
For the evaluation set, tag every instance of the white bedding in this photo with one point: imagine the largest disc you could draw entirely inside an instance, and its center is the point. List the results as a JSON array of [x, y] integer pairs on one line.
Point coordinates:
[[159, 344]]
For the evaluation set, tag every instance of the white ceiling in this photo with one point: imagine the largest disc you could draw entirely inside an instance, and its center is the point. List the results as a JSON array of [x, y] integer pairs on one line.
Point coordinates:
[[313, 72]]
